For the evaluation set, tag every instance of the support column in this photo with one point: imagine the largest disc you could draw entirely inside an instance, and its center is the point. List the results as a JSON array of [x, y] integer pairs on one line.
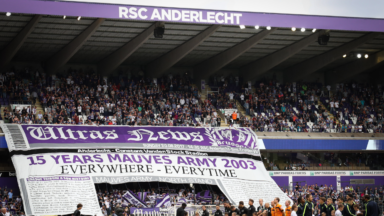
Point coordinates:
[[63, 56], [162, 64], [114, 60], [263, 65], [212, 65], [11, 49], [311, 65]]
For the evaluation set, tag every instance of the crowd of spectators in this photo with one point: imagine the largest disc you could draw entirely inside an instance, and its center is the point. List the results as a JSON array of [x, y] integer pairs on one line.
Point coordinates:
[[287, 107], [85, 98], [11, 203], [357, 105], [108, 200]]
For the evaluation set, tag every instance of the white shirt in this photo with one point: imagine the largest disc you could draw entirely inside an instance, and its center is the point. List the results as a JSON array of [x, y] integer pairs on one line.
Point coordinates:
[[231, 96], [293, 213], [332, 104], [338, 213], [337, 104]]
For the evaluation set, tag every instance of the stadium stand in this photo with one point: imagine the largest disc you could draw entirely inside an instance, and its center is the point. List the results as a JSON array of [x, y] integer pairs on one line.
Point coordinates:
[[325, 161], [305, 107], [83, 99], [270, 106]]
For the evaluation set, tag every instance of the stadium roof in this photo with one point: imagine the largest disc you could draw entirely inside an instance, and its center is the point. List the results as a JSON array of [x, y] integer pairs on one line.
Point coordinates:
[[52, 33]]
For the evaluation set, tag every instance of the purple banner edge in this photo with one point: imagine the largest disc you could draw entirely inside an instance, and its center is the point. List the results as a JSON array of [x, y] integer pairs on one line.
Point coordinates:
[[248, 19]]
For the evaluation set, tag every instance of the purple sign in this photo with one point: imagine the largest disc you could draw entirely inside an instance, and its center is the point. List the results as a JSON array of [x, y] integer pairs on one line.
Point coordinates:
[[110, 135], [148, 211], [204, 196], [199, 16]]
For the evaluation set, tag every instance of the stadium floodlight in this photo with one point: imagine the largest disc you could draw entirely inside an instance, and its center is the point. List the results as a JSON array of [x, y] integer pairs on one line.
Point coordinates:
[[323, 39], [8, 14], [302, 29], [345, 55], [159, 31], [268, 27], [242, 26], [293, 29], [79, 18], [313, 30], [64, 17], [257, 27], [366, 56], [359, 55]]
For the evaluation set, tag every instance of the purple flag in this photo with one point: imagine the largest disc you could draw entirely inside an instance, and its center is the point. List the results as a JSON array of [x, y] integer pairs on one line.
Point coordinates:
[[142, 195], [166, 201], [133, 199], [182, 200], [204, 196]]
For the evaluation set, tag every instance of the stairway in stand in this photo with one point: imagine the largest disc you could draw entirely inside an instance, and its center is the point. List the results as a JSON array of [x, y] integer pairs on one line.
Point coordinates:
[[39, 107], [241, 109], [2, 110], [330, 114], [203, 96]]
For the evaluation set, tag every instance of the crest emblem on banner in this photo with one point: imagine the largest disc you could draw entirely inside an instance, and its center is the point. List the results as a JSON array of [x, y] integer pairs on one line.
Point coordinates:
[[241, 138]]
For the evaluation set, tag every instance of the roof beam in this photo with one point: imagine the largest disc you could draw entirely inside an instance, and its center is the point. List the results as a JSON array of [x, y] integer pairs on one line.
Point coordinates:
[[62, 57], [114, 60], [158, 67], [354, 68], [212, 65], [257, 68], [311, 65], [11, 49]]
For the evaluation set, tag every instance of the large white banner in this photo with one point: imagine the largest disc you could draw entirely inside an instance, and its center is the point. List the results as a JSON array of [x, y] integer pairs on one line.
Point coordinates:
[[45, 166]]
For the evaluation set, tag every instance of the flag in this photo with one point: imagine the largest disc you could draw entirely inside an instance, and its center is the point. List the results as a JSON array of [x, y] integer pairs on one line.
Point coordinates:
[[166, 201], [124, 203], [133, 199], [142, 195], [204, 196], [182, 200]]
